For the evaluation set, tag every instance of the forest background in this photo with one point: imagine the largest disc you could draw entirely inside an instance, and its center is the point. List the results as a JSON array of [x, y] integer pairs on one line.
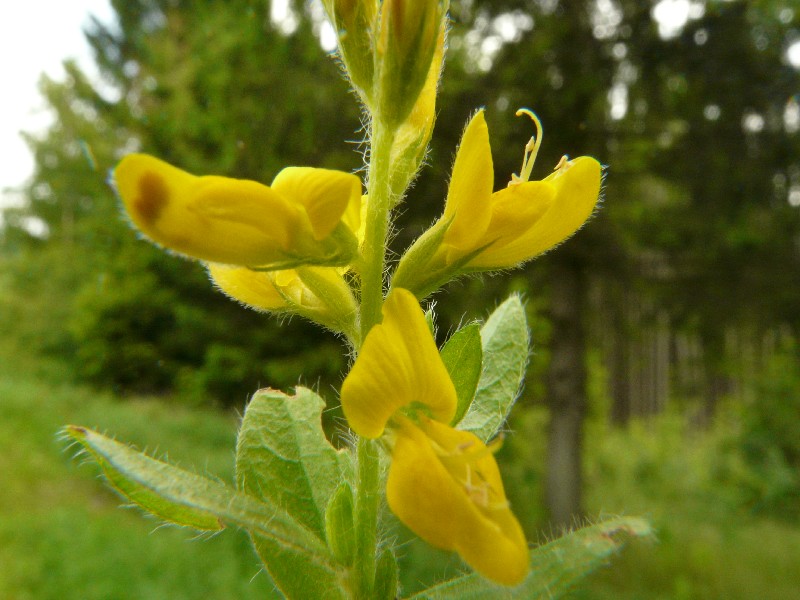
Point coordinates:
[[665, 377]]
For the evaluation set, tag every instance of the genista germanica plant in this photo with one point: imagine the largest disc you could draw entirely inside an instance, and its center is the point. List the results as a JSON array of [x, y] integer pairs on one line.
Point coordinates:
[[425, 421]]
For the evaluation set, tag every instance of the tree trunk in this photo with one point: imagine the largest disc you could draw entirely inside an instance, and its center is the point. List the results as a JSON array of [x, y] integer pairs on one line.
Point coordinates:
[[566, 396]]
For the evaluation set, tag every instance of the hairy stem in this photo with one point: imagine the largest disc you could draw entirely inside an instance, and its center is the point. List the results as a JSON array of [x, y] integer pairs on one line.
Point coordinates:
[[377, 226], [366, 516], [372, 285]]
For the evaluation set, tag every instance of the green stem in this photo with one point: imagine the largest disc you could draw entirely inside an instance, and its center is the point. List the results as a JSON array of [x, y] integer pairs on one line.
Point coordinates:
[[372, 287], [366, 516], [377, 225]]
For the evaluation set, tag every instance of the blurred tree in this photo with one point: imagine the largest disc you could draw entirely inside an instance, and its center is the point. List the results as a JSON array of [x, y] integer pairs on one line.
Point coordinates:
[[212, 86], [693, 111], [722, 88]]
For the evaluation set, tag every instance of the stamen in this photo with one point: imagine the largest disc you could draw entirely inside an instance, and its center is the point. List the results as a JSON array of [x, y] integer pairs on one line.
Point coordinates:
[[563, 164], [479, 494], [464, 446], [531, 149]]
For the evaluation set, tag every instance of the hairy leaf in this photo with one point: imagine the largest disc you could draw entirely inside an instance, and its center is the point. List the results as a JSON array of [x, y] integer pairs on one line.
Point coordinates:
[[463, 357], [283, 457], [504, 339], [555, 567], [301, 565]]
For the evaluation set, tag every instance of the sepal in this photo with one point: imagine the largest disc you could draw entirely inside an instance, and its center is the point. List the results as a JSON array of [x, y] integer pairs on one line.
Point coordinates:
[[339, 528]]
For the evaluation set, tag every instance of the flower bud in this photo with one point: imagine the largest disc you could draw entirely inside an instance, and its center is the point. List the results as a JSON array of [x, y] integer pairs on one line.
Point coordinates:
[[406, 43], [339, 524], [412, 137], [354, 22], [298, 220]]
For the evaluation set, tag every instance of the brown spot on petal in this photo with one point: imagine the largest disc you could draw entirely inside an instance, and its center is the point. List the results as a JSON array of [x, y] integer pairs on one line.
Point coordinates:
[[153, 197]]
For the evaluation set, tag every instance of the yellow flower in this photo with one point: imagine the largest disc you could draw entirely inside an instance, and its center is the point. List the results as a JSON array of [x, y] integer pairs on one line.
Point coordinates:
[[445, 486], [521, 221], [318, 293], [443, 483], [297, 220], [483, 230], [398, 366]]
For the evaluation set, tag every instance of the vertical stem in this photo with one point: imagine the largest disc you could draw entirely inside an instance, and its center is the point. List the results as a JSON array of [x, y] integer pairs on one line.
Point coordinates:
[[374, 249], [366, 516], [373, 261]]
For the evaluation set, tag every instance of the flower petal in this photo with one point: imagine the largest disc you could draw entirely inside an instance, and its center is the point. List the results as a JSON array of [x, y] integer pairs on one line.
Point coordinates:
[[445, 486], [468, 198], [252, 288], [325, 194], [398, 365], [215, 219], [575, 191], [515, 211]]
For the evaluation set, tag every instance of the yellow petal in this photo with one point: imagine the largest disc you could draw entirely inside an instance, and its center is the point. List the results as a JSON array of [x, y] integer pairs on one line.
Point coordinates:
[[252, 288], [398, 365], [445, 486], [211, 218], [552, 215], [468, 198], [412, 137], [223, 202], [355, 217], [325, 194], [515, 212]]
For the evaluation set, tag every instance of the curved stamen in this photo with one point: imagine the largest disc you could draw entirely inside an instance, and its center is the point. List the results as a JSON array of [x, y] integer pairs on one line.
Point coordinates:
[[531, 148]]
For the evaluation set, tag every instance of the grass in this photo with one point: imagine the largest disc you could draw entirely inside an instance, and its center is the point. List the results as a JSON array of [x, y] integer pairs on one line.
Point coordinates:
[[709, 545], [64, 535]]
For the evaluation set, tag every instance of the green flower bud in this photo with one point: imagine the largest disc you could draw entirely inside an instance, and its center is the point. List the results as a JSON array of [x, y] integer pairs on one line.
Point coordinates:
[[405, 46], [354, 22]]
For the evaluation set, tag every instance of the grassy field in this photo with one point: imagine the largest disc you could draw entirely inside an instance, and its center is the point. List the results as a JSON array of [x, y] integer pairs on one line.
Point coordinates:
[[64, 535]]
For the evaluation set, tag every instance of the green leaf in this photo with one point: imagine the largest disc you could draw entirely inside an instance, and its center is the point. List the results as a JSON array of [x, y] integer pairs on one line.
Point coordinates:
[[295, 575], [283, 457], [118, 469], [185, 498], [504, 338], [300, 563], [462, 356], [555, 567]]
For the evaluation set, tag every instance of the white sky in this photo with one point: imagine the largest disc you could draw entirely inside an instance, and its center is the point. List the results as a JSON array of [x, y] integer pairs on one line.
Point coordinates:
[[35, 37]]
